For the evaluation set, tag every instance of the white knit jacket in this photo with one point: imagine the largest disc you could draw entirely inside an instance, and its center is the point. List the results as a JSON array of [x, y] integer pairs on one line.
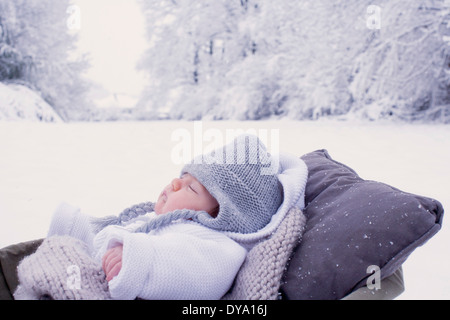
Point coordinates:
[[183, 260]]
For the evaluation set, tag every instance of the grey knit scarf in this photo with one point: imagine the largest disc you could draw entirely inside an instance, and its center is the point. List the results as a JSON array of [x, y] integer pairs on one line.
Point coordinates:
[[261, 275]]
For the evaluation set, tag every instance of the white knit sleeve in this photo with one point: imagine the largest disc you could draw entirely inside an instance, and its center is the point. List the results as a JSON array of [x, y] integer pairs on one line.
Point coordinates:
[[185, 261], [68, 220]]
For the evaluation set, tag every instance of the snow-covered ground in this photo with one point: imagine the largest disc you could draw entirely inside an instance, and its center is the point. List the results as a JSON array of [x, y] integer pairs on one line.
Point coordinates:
[[105, 167]]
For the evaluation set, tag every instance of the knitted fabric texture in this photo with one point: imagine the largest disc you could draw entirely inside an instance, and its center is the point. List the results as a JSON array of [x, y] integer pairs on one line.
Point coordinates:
[[128, 215], [241, 176], [124, 217], [261, 274], [61, 269]]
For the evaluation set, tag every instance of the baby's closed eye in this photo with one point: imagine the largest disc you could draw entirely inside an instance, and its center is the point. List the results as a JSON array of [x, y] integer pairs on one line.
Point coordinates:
[[193, 189]]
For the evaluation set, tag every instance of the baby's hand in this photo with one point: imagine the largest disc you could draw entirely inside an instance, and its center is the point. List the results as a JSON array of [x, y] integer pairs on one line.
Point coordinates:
[[112, 262]]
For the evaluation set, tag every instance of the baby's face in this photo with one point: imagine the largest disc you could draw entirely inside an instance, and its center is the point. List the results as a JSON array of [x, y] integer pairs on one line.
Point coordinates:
[[185, 193]]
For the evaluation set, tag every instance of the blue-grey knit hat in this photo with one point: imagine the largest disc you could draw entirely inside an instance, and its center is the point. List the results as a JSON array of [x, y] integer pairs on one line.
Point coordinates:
[[242, 176]]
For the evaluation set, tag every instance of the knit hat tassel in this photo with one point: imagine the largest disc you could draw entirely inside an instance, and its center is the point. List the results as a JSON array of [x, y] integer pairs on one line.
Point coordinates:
[[128, 214], [165, 219], [98, 224]]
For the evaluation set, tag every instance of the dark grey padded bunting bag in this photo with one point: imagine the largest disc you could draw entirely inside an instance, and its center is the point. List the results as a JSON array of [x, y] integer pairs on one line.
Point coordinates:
[[353, 224]]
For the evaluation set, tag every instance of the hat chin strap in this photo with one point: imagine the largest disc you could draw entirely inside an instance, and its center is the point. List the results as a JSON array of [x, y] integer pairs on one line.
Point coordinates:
[[135, 211], [166, 218], [98, 224]]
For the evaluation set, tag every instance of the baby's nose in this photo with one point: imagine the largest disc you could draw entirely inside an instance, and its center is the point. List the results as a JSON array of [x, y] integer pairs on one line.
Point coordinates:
[[176, 184]]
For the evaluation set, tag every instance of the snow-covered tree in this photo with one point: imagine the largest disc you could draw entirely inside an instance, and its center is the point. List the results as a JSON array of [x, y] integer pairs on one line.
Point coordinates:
[[253, 59], [35, 45], [405, 70]]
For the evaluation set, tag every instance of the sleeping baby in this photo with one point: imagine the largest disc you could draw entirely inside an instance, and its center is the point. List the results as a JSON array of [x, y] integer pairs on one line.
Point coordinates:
[[190, 243]]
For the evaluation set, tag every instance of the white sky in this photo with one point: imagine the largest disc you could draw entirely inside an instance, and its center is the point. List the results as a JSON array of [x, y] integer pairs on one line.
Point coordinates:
[[112, 32]]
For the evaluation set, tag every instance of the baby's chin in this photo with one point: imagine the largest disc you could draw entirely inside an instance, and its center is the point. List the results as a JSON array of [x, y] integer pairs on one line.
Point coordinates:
[[158, 209]]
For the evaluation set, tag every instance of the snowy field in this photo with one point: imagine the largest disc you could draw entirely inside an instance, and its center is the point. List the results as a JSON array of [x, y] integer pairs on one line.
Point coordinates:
[[105, 167]]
